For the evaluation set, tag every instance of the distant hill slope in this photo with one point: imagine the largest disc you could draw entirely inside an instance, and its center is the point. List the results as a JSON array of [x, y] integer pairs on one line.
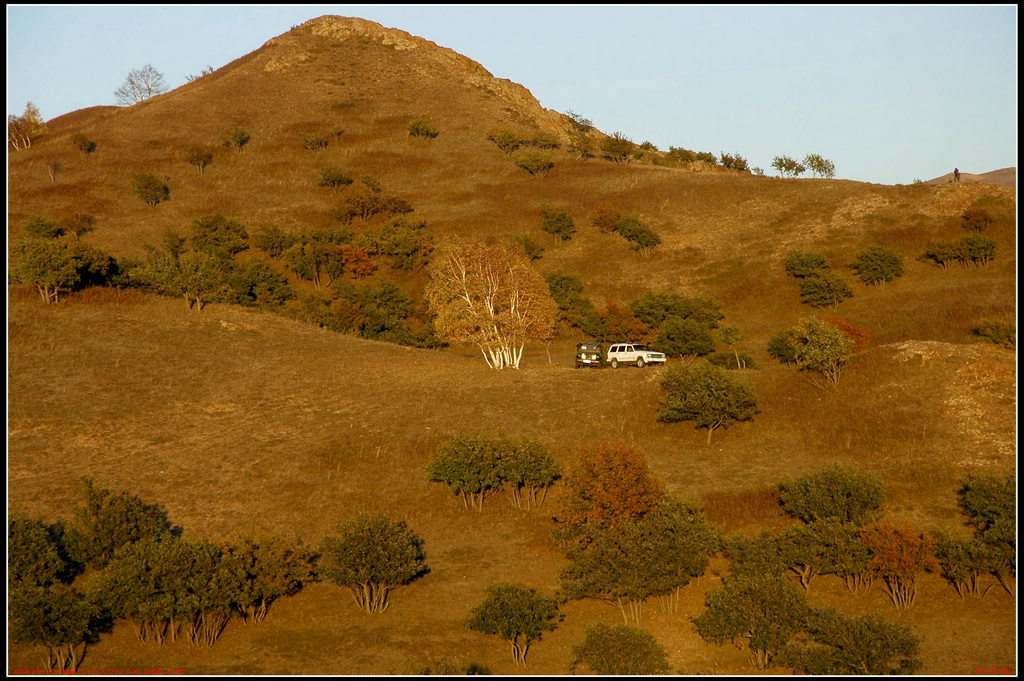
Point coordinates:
[[725, 234], [1004, 177]]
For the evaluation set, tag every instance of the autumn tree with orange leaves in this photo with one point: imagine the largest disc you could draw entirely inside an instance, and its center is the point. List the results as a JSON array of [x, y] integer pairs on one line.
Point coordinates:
[[610, 482], [489, 295], [898, 554]]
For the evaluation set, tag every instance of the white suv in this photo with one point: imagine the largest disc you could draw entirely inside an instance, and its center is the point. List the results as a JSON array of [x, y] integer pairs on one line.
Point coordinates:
[[633, 353]]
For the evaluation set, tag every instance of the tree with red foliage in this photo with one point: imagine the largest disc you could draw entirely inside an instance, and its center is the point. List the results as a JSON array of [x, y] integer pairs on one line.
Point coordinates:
[[898, 554], [858, 335], [610, 482], [622, 325]]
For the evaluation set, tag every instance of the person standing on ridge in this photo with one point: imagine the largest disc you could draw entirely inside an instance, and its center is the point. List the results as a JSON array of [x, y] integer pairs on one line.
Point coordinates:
[[956, 175]]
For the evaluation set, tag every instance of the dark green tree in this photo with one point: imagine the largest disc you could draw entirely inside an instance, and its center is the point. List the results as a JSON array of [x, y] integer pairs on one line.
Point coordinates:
[[107, 521], [531, 248], [800, 264], [420, 128], [819, 166], [56, 617], [266, 570], [836, 492], [617, 148], [965, 562], [683, 337], [335, 179], [989, 503], [371, 556], [58, 266], [469, 465], [878, 265], [44, 229], [788, 167], [34, 555], [853, 645], [824, 289], [535, 162], [529, 470], [218, 236], [706, 395], [150, 188], [518, 614], [557, 222], [821, 347], [764, 611]]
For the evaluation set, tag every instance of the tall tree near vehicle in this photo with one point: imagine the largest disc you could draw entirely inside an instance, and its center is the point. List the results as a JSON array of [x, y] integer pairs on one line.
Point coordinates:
[[139, 85], [490, 296], [706, 395]]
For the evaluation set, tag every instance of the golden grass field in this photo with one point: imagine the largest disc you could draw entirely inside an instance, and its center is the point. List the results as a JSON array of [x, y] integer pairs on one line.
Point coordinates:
[[238, 421]]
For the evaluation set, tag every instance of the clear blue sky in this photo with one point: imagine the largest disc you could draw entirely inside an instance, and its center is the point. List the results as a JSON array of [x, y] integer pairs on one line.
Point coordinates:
[[889, 94]]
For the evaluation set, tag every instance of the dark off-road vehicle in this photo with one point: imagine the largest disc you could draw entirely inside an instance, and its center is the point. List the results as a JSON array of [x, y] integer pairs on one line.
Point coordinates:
[[589, 355]]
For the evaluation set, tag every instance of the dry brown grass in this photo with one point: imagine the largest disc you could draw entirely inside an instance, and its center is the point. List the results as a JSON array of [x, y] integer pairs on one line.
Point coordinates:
[[238, 421]]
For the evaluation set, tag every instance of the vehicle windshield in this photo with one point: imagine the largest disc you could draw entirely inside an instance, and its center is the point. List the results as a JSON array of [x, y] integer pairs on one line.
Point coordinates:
[[642, 347]]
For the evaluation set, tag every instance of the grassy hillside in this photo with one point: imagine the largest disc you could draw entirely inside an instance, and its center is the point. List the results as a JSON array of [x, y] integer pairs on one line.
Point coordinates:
[[241, 421]]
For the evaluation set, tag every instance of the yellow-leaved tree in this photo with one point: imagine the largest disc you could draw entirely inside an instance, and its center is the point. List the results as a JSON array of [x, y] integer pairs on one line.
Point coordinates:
[[489, 295]]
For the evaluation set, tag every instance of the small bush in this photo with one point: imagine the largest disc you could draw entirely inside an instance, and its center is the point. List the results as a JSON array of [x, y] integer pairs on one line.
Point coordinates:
[[418, 127], [518, 614], [824, 289], [878, 265], [705, 395], [680, 337], [641, 236], [314, 143], [978, 249], [975, 220], [506, 140], [836, 492], [620, 650], [334, 178], [727, 360], [236, 138], [801, 265], [150, 188], [43, 228], [945, 253], [535, 162], [557, 223], [84, 145], [531, 248], [1001, 330]]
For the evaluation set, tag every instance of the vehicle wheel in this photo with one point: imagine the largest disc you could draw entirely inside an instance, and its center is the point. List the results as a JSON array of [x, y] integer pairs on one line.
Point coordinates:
[[640, 363], [615, 364]]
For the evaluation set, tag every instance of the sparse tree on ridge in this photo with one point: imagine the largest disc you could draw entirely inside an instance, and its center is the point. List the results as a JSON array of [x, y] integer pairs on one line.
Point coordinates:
[[821, 167], [139, 85], [787, 166], [23, 129]]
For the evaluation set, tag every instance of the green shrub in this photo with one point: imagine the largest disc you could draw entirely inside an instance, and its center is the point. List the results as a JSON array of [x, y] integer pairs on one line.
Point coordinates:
[[557, 223], [469, 466], [335, 179], [945, 253], [836, 492], [34, 554], [58, 618], [371, 556], [781, 349], [218, 236], [150, 188], [531, 248], [43, 228], [767, 611], [705, 395], [275, 240], [801, 265], [976, 220], [990, 503], [507, 140], [878, 265], [680, 337], [639, 235], [824, 289], [518, 614], [620, 650], [734, 161], [84, 145], [200, 157], [418, 127], [853, 645], [978, 249], [108, 521], [617, 148], [963, 562], [57, 266], [535, 162], [236, 138], [1001, 330], [314, 142], [822, 347], [653, 308]]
